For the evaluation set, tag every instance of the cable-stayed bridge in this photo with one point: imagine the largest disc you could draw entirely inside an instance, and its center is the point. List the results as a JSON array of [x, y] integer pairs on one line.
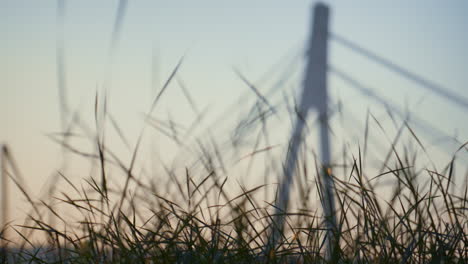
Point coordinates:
[[316, 98]]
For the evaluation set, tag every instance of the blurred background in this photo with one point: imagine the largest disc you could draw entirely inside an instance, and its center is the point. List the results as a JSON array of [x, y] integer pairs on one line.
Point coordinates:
[[125, 51]]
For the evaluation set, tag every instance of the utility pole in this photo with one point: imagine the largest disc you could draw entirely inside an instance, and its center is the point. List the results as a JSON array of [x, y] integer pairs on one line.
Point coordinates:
[[314, 96]]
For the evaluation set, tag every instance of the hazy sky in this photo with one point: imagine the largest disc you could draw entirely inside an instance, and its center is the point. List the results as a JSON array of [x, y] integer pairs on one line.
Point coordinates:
[[428, 37]]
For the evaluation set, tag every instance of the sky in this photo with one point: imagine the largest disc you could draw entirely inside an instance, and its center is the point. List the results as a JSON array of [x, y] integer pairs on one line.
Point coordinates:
[[427, 37]]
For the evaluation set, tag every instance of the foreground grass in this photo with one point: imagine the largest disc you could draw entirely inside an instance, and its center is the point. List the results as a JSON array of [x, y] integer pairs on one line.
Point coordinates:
[[204, 224], [192, 217]]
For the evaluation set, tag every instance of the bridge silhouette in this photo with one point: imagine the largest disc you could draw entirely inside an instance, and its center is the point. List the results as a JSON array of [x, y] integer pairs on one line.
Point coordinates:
[[314, 97]]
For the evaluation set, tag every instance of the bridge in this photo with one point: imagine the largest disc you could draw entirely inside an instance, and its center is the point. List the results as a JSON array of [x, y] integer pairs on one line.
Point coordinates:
[[314, 97]]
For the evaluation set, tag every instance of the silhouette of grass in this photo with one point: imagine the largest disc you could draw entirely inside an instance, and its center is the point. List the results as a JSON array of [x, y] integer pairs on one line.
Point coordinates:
[[423, 221]]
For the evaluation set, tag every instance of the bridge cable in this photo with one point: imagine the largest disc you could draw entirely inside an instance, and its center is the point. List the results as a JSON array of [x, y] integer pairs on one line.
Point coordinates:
[[438, 89], [424, 125]]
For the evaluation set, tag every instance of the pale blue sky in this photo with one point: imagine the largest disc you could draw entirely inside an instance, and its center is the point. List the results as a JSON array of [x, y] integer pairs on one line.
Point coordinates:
[[428, 37]]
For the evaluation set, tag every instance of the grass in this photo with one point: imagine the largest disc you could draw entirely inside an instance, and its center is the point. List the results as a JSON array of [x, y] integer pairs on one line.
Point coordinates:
[[195, 217]]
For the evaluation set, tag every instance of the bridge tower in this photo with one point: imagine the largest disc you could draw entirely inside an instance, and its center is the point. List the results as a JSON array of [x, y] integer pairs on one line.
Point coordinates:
[[314, 97]]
